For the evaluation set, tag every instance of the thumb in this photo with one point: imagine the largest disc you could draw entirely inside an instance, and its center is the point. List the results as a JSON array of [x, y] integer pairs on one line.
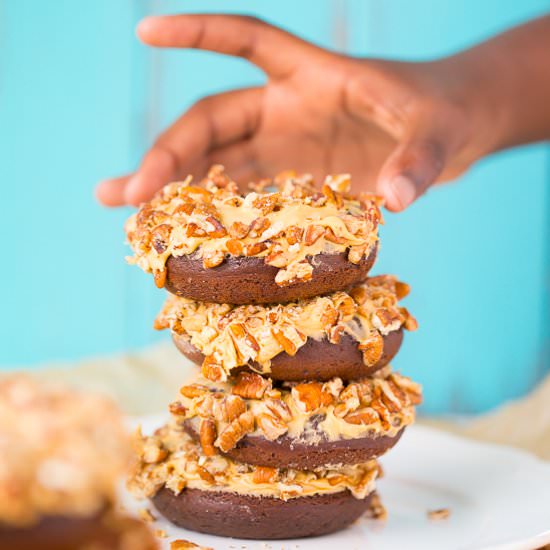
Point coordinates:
[[412, 167]]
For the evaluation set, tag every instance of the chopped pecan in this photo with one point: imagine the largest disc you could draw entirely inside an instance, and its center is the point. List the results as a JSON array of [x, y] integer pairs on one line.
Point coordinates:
[[193, 230], [310, 396], [410, 322], [332, 237], [288, 345], [332, 196], [159, 276], [205, 475], [362, 416], [279, 408], [346, 307], [212, 258], [258, 226], [335, 333], [236, 430], [329, 317], [294, 234], [218, 228], [253, 249], [228, 408], [250, 385], [212, 370], [313, 234], [271, 427], [241, 334], [264, 474], [178, 409], [356, 253], [153, 452], [239, 230], [234, 247], [339, 182], [207, 436], [161, 236], [267, 203], [401, 289], [193, 390], [372, 348]]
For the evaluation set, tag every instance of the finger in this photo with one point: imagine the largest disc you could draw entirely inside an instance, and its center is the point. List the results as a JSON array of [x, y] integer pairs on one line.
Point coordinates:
[[270, 48], [211, 123], [111, 192], [411, 169]]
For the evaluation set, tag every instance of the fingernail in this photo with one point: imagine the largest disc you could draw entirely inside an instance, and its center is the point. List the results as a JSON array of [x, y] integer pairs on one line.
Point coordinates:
[[403, 190]]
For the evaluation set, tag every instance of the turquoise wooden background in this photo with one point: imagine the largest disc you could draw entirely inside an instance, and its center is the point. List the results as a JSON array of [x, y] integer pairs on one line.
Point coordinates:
[[80, 99]]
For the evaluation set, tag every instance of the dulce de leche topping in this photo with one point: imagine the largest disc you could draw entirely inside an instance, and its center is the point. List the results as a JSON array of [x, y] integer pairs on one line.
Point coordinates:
[[61, 451], [171, 458], [285, 227], [231, 336], [309, 412]]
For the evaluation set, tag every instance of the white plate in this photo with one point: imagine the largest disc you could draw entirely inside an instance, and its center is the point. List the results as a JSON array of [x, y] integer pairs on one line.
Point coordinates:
[[499, 498]]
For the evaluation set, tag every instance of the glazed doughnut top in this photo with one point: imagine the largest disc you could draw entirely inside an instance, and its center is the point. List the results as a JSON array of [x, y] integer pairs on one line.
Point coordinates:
[[171, 458], [231, 336], [61, 451], [308, 412], [286, 227]]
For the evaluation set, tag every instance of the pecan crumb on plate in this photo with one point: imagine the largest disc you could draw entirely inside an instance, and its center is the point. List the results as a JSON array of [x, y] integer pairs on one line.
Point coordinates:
[[440, 514]]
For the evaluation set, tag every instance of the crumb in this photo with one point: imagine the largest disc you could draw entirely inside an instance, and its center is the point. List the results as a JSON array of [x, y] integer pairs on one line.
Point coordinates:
[[377, 510], [440, 514], [181, 544], [145, 515], [160, 533]]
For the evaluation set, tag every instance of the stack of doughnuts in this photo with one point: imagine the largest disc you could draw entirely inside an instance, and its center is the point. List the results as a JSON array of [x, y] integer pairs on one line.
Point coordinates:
[[269, 294]]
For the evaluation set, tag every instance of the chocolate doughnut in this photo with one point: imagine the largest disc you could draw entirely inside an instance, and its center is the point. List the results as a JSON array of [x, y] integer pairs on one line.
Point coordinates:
[[264, 518], [305, 425], [301, 456], [346, 334], [62, 453], [241, 280], [206, 492], [107, 531], [209, 242], [315, 360]]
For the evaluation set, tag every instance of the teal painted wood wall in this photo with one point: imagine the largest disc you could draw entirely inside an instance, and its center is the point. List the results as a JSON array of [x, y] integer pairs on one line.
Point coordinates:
[[80, 99]]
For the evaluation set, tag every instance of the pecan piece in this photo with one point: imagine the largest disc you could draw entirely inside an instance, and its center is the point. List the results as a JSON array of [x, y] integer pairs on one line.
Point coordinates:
[[332, 237], [288, 345], [329, 317], [294, 234], [234, 247], [207, 436], [205, 475], [193, 390], [271, 427], [362, 416], [161, 236], [264, 474], [213, 258], [228, 408], [236, 430], [159, 276], [193, 230], [250, 385], [310, 396], [332, 196], [267, 203], [356, 253], [258, 226], [372, 349], [219, 230], [212, 370], [313, 234], [254, 248], [239, 230]]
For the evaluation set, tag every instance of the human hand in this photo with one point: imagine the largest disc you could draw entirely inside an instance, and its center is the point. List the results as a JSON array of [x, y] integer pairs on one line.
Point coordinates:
[[396, 127]]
